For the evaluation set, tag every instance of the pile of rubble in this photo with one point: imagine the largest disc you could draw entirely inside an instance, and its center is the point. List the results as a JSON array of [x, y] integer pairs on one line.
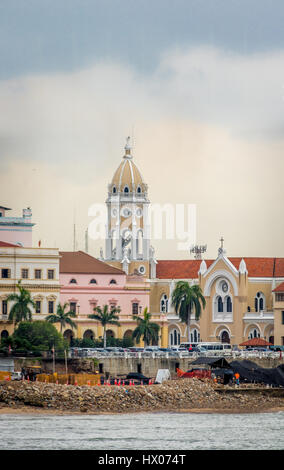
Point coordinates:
[[173, 395]]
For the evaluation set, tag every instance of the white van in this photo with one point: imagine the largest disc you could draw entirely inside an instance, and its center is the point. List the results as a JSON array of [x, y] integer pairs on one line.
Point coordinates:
[[187, 345], [222, 348]]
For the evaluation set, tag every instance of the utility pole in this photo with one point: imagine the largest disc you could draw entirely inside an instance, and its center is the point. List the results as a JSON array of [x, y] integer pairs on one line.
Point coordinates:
[[87, 241], [53, 359]]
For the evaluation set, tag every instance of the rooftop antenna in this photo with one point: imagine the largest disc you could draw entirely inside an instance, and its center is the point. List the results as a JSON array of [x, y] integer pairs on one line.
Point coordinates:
[[74, 238], [198, 250], [74, 230], [87, 241]]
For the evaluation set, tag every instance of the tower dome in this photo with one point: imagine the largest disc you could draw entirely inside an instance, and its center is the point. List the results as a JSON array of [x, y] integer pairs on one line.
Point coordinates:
[[127, 178], [128, 224]]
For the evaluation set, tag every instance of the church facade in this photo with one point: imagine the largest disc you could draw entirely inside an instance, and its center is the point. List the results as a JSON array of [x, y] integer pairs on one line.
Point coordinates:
[[241, 301]]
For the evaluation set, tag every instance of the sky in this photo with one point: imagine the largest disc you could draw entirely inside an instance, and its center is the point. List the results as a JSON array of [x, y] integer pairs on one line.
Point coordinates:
[[199, 87]]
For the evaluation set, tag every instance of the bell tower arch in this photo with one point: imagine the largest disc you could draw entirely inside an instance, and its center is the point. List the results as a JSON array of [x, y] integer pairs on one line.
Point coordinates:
[[128, 225]]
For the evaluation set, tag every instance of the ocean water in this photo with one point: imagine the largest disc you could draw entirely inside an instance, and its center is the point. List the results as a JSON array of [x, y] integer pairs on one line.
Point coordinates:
[[163, 431]]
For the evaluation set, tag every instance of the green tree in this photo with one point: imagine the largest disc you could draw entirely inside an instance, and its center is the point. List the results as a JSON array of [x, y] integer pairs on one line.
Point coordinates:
[[106, 317], [21, 310], [187, 299], [62, 317], [149, 331], [37, 336]]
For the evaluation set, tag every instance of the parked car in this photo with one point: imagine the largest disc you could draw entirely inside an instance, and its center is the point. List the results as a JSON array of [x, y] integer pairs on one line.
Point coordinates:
[[16, 376], [257, 349], [276, 348]]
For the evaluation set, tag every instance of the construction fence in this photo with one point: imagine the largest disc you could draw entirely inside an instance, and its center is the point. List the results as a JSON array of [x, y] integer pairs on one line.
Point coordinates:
[[70, 379], [4, 375]]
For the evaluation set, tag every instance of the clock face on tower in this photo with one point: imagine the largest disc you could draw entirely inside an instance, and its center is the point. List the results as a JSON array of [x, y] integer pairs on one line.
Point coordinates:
[[126, 212]]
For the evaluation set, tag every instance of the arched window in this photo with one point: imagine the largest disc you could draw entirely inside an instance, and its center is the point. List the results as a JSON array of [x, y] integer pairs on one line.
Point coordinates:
[[220, 304], [73, 281], [195, 336], [164, 304], [174, 338], [225, 337], [126, 190], [4, 334], [139, 189], [89, 334], [114, 190], [254, 333], [112, 281], [229, 305], [259, 302], [93, 281]]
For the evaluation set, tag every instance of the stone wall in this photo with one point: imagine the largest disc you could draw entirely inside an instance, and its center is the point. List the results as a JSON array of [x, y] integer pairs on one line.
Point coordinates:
[[115, 366]]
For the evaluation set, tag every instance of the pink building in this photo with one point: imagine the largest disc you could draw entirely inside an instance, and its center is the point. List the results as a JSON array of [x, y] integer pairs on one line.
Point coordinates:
[[87, 282], [16, 230]]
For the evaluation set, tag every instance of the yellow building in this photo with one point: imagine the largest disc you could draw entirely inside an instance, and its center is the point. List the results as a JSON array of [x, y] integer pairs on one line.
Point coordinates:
[[38, 270], [239, 295], [278, 307]]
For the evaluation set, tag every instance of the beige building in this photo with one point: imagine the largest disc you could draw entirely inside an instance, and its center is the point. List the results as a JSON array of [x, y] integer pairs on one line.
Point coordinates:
[[240, 302], [38, 270]]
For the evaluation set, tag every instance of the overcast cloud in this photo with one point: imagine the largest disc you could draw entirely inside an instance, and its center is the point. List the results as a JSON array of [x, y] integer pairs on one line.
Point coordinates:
[[203, 105]]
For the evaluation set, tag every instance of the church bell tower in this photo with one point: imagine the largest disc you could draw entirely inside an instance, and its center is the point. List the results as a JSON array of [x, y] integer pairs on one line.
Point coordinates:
[[128, 226]]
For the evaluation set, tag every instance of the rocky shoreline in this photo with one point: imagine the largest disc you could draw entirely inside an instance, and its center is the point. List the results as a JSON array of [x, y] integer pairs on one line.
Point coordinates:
[[182, 395]]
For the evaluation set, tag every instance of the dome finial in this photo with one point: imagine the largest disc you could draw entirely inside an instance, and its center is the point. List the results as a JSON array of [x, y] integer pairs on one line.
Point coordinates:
[[127, 148]]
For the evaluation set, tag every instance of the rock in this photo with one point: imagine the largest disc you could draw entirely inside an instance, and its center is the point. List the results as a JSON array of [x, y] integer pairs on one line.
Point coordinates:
[[171, 395]]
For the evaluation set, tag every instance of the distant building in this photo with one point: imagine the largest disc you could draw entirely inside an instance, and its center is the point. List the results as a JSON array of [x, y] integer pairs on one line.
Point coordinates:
[[241, 302], [87, 282], [16, 230], [38, 270]]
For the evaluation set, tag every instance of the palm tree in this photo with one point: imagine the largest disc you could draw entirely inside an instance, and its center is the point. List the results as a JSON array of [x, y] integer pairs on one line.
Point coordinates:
[[21, 311], [146, 329], [186, 299], [62, 317], [106, 317]]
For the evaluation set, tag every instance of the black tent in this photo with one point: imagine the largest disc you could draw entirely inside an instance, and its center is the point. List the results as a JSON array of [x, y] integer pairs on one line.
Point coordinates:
[[251, 372], [213, 362], [138, 376]]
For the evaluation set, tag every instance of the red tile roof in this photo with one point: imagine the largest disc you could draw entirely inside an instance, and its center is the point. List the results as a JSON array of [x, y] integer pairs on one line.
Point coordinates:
[[8, 244], [255, 342], [188, 269], [279, 288], [78, 262], [179, 269]]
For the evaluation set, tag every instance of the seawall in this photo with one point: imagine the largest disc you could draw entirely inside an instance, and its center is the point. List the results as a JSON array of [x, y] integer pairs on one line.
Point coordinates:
[[115, 366]]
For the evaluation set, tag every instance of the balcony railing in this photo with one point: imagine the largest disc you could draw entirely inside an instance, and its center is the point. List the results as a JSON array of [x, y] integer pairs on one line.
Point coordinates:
[[261, 315]]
